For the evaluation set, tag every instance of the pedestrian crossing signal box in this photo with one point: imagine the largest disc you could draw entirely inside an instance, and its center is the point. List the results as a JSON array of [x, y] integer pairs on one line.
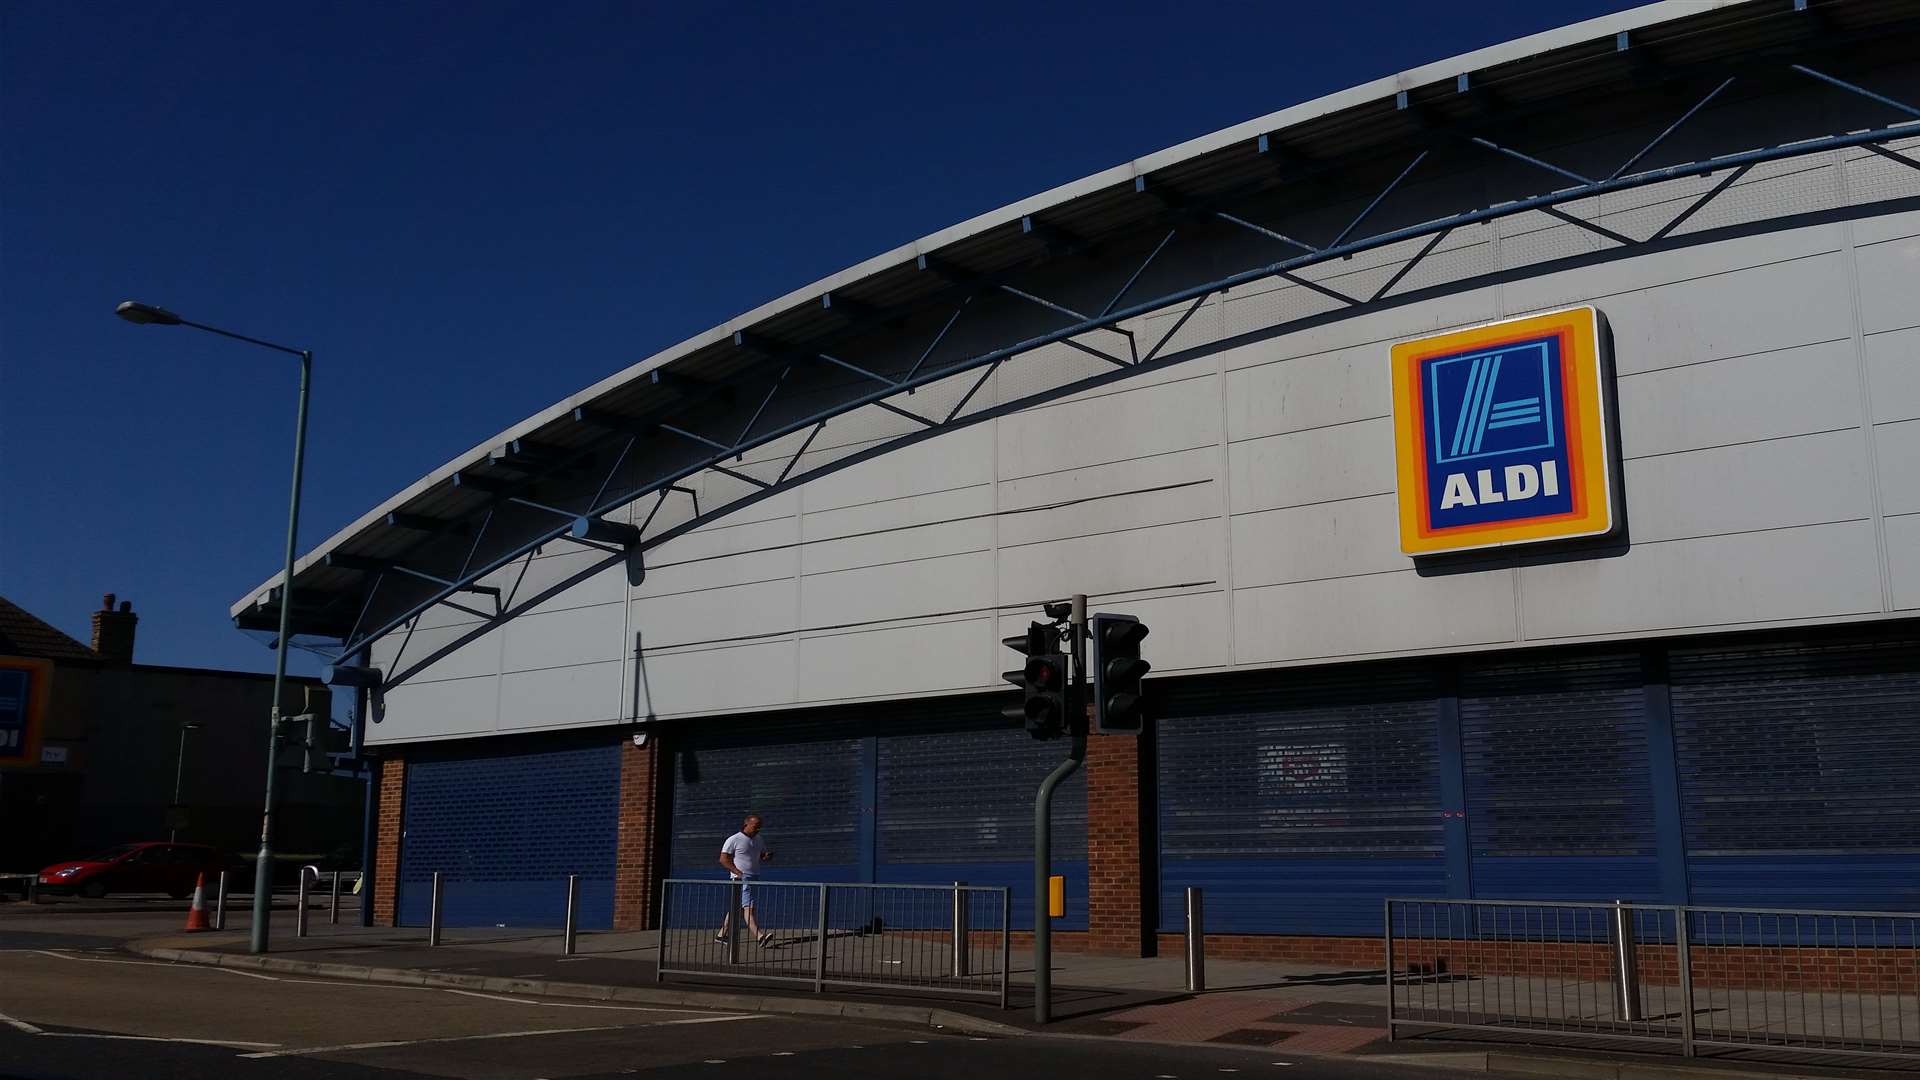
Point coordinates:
[[1057, 896]]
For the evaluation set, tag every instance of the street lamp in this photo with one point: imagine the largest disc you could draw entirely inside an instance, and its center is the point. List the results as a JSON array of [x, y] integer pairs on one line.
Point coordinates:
[[179, 770], [148, 315]]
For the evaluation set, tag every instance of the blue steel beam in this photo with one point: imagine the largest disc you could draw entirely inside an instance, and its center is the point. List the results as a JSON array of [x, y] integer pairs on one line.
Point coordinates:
[[1196, 294]]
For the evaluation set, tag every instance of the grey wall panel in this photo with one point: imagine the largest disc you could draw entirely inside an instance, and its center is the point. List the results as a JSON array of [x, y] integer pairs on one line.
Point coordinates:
[[1149, 558], [902, 590], [762, 607], [734, 677], [559, 564], [1347, 461], [1897, 447], [958, 459], [570, 696], [1376, 328], [551, 639], [1379, 613], [438, 710], [922, 658], [1337, 387], [1896, 226], [1187, 482], [1903, 559], [1887, 292], [1743, 399], [972, 532], [1260, 305], [1157, 420], [481, 656], [1749, 486], [1719, 311], [1893, 371], [1321, 540], [1817, 571]]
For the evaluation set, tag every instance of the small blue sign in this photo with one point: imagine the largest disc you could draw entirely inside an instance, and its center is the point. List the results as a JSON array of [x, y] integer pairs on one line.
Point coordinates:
[[1495, 434]]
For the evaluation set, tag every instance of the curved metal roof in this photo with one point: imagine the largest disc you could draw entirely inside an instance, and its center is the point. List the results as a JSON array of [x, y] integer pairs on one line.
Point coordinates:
[[885, 352]]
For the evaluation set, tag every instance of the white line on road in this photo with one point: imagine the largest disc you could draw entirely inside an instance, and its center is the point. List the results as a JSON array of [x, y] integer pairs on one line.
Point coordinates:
[[18, 1025], [344, 1047], [101, 959], [547, 1004], [248, 974], [232, 1043]]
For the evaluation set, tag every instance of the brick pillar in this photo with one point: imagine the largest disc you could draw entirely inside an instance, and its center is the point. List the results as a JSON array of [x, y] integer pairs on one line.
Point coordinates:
[[386, 838], [1116, 848], [635, 885]]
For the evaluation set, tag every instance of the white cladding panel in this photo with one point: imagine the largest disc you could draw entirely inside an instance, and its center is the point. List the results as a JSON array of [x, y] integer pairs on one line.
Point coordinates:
[[1241, 502]]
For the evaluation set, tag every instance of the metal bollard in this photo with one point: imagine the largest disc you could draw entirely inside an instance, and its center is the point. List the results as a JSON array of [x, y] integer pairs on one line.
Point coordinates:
[[300, 905], [568, 939], [1196, 940], [1626, 968], [333, 910], [820, 945], [734, 919], [220, 903], [960, 957], [433, 913]]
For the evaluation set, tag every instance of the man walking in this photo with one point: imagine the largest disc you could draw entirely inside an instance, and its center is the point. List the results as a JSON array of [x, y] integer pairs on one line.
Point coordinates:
[[742, 856]]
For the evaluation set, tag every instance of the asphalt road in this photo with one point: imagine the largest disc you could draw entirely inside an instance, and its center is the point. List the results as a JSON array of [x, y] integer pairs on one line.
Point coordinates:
[[73, 1006]]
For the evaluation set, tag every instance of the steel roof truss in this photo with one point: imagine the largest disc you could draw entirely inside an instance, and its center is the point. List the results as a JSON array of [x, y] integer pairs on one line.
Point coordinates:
[[1733, 166]]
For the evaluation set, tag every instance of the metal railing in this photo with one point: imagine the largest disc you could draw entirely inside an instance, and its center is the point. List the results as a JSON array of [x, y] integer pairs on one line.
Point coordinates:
[[1694, 979], [948, 939]]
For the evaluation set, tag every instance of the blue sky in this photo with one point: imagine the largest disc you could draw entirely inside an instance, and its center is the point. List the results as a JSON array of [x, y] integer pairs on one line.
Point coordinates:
[[469, 211]]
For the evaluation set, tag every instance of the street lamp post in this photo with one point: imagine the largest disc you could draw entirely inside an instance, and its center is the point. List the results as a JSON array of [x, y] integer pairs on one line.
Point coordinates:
[[148, 315], [179, 771]]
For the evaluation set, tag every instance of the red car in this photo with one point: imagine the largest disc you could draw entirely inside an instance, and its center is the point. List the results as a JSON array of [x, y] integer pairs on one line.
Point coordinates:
[[134, 868]]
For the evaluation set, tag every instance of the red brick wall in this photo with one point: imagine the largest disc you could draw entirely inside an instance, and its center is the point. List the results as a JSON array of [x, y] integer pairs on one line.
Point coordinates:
[[391, 801], [1116, 887], [634, 885]]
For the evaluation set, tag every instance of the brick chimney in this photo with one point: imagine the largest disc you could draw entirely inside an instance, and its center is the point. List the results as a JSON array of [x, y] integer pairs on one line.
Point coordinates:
[[113, 631]]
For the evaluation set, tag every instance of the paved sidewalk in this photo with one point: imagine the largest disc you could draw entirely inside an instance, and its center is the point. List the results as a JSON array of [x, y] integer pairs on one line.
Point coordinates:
[[1295, 1008], [1096, 995]]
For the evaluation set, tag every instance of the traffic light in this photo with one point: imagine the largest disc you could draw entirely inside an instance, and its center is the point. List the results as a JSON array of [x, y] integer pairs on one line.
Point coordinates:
[[1117, 670], [1043, 679]]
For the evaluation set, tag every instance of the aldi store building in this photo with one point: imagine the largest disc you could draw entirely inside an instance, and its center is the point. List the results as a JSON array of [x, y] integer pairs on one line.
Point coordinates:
[[1517, 461]]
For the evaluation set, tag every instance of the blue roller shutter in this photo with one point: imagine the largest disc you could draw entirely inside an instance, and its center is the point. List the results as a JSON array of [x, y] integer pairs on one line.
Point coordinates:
[[1301, 800], [505, 828], [804, 782], [1559, 802], [1796, 765], [958, 806]]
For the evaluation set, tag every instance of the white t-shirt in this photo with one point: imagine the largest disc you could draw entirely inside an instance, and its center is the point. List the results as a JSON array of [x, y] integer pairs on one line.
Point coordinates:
[[747, 852]]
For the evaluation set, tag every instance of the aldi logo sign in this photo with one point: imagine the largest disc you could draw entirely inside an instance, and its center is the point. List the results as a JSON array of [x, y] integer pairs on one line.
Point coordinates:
[[1502, 434]]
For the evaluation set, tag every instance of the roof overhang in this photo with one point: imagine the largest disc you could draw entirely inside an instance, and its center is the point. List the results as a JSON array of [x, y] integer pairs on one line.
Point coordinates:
[[741, 405]]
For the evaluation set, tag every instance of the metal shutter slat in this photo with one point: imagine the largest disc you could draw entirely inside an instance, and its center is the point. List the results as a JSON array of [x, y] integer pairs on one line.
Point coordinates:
[[1299, 803], [1795, 772]]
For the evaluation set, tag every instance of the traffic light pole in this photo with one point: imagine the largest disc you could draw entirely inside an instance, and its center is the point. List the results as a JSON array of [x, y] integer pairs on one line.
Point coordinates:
[[1043, 814]]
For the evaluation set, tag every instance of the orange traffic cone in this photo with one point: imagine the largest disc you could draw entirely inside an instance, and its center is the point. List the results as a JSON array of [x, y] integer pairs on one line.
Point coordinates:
[[197, 916]]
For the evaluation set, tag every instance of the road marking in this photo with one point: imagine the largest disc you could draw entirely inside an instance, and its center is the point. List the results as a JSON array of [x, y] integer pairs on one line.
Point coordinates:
[[231, 1043], [343, 1047], [101, 960], [548, 1004], [18, 1025], [783, 1053], [248, 974]]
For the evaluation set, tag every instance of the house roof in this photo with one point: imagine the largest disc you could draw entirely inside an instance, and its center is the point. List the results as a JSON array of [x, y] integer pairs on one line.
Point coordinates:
[[23, 633]]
